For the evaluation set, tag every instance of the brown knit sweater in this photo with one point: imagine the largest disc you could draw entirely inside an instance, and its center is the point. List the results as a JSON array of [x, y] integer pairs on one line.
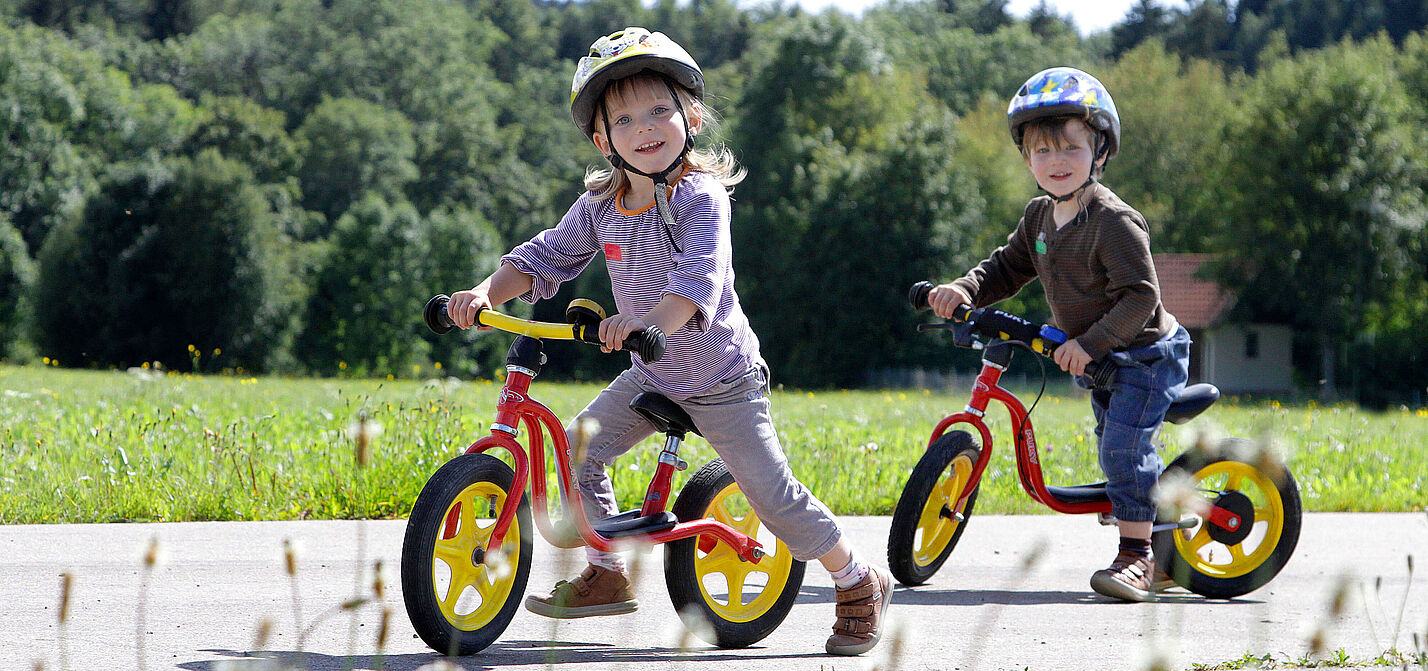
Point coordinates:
[[1096, 270]]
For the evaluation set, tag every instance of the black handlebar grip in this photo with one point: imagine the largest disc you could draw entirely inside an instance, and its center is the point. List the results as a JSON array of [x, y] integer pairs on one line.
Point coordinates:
[[649, 344], [435, 314], [917, 295], [1102, 373]]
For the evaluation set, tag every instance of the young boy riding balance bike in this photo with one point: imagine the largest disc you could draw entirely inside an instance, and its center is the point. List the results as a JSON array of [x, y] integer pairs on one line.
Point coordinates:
[[1091, 252]]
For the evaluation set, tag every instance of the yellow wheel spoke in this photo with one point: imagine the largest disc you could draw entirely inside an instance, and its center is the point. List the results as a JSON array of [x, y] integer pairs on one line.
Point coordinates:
[[736, 580], [460, 578], [1233, 482], [453, 551], [721, 514], [1201, 538], [481, 580], [931, 515], [749, 525]]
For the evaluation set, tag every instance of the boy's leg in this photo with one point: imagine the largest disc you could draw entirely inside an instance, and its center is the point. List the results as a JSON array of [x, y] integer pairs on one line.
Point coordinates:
[[734, 417], [1126, 422], [602, 588], [1148, 380]]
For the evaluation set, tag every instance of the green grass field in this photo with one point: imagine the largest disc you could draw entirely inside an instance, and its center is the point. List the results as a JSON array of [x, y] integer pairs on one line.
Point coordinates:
[[94, 446]]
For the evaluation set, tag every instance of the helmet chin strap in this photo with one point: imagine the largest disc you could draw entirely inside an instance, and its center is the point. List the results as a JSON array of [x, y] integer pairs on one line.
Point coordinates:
[[1102, 150], [661, 178]]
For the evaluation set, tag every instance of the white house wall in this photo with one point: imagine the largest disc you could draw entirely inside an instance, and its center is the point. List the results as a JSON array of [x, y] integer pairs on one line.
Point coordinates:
[[1228, 367]]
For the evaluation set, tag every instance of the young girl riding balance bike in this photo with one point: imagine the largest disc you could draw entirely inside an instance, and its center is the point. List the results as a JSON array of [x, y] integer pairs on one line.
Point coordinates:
[[660, 215]]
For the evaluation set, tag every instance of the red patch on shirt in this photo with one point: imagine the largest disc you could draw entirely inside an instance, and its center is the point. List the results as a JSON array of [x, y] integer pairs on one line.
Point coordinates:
[[612, 251]]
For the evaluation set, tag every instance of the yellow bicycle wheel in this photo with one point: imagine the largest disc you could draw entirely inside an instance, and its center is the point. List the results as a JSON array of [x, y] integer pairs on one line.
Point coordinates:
[[930, 517], [723, 599], [1225, 563], [459, 594]]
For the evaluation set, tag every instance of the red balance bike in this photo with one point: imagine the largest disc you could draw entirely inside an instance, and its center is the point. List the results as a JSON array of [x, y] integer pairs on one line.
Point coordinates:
[[467, 551], [1229, 531]]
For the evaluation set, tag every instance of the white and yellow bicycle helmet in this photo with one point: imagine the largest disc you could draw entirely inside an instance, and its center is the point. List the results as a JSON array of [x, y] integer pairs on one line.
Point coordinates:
[[622, 54]]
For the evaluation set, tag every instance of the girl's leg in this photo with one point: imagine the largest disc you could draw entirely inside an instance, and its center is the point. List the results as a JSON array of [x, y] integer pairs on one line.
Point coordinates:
[[601, 588], [618, 428], [734, 417]]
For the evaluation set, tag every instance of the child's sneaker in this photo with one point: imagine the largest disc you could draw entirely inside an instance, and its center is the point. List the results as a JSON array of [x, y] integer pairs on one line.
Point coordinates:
[[1162, 581], [1128, 578], [596, 591], [860, 614]]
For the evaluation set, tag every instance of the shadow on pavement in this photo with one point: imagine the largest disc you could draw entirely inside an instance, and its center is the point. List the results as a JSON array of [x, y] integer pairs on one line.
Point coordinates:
[[500, 654], [923, 596]]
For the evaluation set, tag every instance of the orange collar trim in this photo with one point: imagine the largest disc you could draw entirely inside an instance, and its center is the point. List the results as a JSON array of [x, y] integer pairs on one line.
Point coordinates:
[[620, 197]]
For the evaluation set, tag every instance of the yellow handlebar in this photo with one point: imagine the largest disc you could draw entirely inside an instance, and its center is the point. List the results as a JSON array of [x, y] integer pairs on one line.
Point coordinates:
[[525, 327], [649, 344]]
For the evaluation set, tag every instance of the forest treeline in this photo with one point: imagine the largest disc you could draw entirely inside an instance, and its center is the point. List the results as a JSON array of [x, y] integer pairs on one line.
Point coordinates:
[[279, 185]]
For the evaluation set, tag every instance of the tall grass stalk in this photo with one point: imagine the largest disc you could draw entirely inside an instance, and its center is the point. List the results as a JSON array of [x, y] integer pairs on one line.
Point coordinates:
[[152, 557], [66, 583]]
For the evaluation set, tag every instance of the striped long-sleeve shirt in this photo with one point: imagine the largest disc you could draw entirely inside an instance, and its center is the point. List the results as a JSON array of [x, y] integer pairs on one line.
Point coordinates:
[[646, 260], [1096, 270]]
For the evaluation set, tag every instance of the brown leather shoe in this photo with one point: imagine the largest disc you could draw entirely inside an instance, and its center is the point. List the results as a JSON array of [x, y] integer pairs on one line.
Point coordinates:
[[860, 614], [1128, 578], [1162, 580], [596, 591]]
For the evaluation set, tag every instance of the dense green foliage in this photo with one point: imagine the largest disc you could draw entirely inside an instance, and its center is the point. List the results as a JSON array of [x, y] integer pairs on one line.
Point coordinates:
[[278, 185], [102, 446]]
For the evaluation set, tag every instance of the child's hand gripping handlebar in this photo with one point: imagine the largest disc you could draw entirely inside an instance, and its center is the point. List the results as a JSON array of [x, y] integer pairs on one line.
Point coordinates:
[[1000, 325], [584, 319]]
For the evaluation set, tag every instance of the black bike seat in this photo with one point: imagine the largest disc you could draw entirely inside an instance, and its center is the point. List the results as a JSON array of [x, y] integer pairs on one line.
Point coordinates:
[[1191, 402], [666, 415]]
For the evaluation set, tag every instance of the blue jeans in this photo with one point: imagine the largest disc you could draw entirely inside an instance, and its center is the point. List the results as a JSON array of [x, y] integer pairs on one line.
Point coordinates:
[[1129, 414]]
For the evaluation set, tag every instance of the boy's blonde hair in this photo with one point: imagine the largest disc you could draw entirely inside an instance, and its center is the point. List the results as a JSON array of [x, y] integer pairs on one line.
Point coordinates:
[[717, 159]]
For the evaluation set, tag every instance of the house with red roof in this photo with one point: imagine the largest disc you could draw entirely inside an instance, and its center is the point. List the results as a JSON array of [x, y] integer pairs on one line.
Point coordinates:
[[1237, 358]]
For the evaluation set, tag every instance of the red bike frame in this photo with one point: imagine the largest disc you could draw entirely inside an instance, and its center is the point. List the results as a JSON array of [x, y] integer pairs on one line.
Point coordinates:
[[986, 389], [515, 408]]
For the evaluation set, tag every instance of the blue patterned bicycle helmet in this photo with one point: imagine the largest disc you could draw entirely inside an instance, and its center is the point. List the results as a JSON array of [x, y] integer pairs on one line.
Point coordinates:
[[1066, 91]]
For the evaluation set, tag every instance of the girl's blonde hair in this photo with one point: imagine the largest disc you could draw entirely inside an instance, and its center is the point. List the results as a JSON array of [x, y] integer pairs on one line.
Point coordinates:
[[716, 159]]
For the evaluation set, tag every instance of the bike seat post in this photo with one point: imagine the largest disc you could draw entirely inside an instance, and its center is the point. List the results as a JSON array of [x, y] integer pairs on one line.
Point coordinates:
[[657, 496]]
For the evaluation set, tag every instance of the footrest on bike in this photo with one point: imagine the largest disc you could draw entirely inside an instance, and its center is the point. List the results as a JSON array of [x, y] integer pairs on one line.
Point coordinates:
[[630, 523], [1092, 493]]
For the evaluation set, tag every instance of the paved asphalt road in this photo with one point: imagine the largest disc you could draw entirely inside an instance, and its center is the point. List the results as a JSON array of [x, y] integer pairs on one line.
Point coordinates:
[[1014, 595]]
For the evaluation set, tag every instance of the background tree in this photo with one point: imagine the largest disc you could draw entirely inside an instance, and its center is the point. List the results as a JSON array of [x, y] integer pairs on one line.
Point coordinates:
[[1147, 19], [169, 256], [381, 265], [351, 147], [17, 274], [1171, 154], [1325, 188], [43, 175]]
